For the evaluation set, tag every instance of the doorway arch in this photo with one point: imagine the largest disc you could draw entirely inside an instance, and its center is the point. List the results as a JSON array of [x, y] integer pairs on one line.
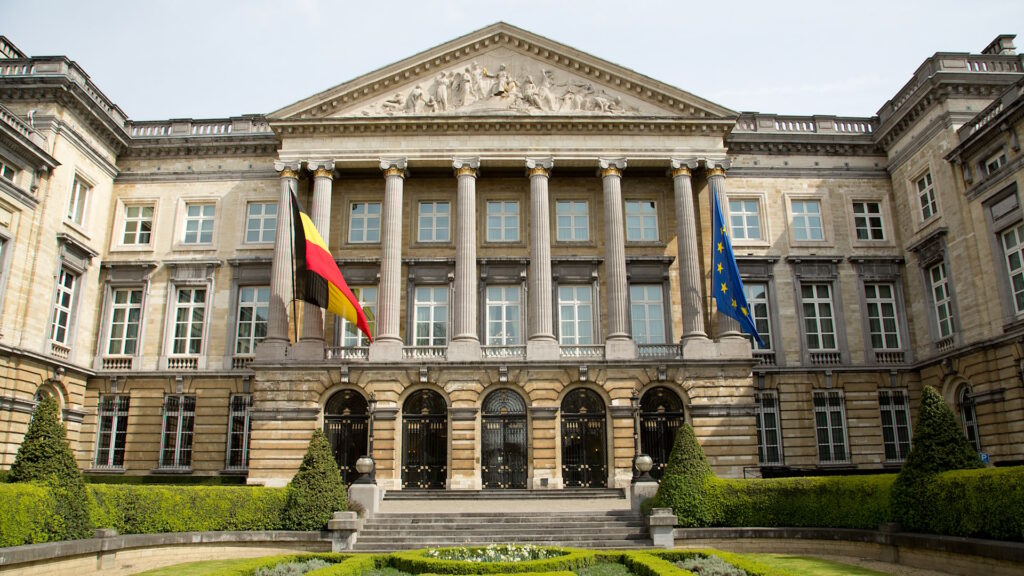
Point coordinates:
[[345, 425], [424, 440], [584, 440], [504, 440], [661, 415]]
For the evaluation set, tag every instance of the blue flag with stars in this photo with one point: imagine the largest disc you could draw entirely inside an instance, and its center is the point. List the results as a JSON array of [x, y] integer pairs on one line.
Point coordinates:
[[726, 285]]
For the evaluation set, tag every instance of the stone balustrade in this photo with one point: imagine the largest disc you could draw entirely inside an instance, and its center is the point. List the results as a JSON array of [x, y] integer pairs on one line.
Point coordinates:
[[53, 66], [775, 123]]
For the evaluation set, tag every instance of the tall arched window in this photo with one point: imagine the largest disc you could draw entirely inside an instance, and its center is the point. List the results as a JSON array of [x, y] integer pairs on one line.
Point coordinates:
[[968, 416]]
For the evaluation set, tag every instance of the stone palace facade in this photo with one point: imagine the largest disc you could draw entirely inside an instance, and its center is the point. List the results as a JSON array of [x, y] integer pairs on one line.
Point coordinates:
[[528, 228]]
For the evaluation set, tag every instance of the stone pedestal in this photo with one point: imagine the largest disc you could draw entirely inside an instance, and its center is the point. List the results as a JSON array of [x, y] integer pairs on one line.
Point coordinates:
[[641, 491], [367, 495], [662, 523], [620, 349], [543, 350], [344, 528], [308, 349], [386, 350], [464, 351]]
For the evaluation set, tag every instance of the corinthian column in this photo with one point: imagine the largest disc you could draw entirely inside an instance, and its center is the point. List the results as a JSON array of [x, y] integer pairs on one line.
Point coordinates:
[[688, 256], [727, 327], [465, 345], [311, 344], [388, 345], [276, 342], [619, 344], [542, 344]]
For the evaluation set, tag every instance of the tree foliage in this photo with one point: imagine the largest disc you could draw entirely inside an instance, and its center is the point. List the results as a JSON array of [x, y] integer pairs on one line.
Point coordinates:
[[688, 485], [317, 490]]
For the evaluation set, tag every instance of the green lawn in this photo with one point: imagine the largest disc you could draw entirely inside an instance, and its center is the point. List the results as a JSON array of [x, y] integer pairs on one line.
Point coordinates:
[[194, 568], [808, 566]]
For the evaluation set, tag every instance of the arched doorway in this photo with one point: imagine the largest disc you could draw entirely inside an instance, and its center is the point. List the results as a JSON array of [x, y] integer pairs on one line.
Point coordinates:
[[661, 415], [424, 440], [345, 420], [968, 415], [584, 452], [503, 440]]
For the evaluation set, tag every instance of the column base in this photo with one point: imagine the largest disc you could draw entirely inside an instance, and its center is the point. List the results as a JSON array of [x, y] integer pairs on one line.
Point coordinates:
[[543, 350], [272, 349], [389, 350], [309, 349], [467, 350], [620, 349]]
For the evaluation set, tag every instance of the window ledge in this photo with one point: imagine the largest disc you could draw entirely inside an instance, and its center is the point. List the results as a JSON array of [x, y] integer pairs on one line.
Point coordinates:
[[505, 244], [235, 472], [181, 471], [131, 248], [645, 244], [182, 247], [112, 470], [77, 228], [256, 246]]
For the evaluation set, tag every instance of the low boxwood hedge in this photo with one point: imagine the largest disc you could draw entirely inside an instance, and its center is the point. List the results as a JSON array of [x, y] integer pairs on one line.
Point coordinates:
[[28, 515], [415, 562], [749, 565], [986, 503]]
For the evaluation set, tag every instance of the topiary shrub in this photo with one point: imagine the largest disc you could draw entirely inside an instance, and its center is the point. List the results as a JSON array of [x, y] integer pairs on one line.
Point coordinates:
[[688, 486], [316, 491], [45, 457], [939, 445]]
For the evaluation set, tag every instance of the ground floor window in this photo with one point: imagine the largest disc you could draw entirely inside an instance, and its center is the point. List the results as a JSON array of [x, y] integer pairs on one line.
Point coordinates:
[[113, 430], [769, 438], [179, 422], [238, 432], [895, 408], [830, 424]]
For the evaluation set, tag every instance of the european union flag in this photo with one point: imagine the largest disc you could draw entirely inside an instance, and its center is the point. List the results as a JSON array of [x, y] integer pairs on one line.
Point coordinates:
[[726, 284]]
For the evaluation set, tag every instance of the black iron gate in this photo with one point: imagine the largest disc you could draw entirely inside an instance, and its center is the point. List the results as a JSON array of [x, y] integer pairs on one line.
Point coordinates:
[[661, 415], [424, 441], [504, 443], [345, 423], [584, 453]]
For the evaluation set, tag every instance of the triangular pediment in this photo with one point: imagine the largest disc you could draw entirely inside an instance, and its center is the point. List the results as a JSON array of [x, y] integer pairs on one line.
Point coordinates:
[[504, 71]]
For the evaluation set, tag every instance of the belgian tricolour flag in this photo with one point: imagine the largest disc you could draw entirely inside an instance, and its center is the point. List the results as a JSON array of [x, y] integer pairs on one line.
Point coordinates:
[[317, 277]]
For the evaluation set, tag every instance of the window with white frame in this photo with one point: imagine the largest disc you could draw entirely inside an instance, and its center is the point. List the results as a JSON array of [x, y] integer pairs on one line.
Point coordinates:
[[113, 430], [78, 202], [830, 425], [926, 196], [63, 310], [125, 317], [895, 407], [572, 221], [503, 221], [238, 432], [575, 315], [199, 219], [647, 309], [504, 316], [260, 223], [179, 422], [364, 223], [352, 337], [969, 416], [807, 220], [819, 322], [994, 162], [138, 225], [941, 299], [641, 221], [1013, 250], [867, 220], [883, 324], [7, 171], [189, 321], [253, 314], [434, 222], [760, 310], [745, 219], [769, 438], [431, 314]]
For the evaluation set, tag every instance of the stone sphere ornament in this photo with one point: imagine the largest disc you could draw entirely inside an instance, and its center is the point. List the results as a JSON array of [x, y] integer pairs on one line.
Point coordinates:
[[364, 465]]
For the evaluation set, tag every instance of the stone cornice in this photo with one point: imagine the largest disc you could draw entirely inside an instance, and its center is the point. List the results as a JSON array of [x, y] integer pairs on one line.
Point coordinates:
[[265, 144], [25, 140], [818, 172], [166, 176], [757, 133]]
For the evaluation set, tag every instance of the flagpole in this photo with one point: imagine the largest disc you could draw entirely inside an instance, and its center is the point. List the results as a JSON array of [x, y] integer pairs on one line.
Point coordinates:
[[291, 231]]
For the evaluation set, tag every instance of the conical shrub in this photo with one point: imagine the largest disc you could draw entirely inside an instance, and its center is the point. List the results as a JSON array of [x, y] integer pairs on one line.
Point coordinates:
[[317, 490], [688, 486]]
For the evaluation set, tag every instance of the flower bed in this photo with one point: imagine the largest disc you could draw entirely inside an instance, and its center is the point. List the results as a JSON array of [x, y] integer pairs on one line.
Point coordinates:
[[418, 561], [495, 553]]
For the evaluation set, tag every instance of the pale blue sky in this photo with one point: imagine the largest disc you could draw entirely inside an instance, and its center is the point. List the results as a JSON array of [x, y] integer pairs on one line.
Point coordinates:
[[162, 59]]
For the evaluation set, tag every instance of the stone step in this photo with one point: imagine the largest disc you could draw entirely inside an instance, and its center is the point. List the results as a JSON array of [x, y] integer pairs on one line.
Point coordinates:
[[427, 540], [510, 526], [398, 533], [596, 544], [532, 515], [532, 520], [567, 494]]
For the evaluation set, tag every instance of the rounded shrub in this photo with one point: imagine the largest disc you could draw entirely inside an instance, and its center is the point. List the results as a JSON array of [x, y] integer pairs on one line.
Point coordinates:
[[316, 491], [688, 486]]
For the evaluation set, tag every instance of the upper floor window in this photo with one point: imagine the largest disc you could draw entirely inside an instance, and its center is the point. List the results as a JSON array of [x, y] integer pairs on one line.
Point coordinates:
[[253, 314], [647, 308], [125, 316], [7, 171], [63, 307], [238, 432], [572, 221], [364, 223], [895, 407], [760, 310], [434, 222], [745, 219], [79, 200], [503, 221], [1013, 250], [807, 220], [261, 223], [189, 321], [819, 322], [926, 196], [941, 299], [995, 162], [431, 313], [138, 225], [882, 321], [968, 416], [199, 223], [830, 425], [769, 438], [504, 316], [867, 220], [113, 430], [179, 422], [641, 221], [575, 315], [352, 337]]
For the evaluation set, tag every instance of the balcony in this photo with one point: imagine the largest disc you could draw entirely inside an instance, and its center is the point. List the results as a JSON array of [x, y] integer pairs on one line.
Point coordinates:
[[424, 352], [512, 351], [183, 363], [765, 357], [60, 351], [588, 352], [239, 361], [826, 358], [346, 353], [889, 357], [659, 351], [119, 363]]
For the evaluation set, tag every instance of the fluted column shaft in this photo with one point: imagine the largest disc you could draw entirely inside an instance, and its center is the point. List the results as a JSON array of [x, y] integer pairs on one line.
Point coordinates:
[[541, 315], [615, 250], [280, 266], [688, 255], [727, 327], [391, 253], [320, 213], [465, 252]]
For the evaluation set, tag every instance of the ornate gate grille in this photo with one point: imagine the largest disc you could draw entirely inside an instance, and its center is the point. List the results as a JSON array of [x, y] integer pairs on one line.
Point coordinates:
[[584, 453], [661, 415], [504, 440], [345, 423], [424, 441]]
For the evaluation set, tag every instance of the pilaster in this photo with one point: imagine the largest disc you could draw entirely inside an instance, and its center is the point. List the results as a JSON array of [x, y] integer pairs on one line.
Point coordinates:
[[388, 345]]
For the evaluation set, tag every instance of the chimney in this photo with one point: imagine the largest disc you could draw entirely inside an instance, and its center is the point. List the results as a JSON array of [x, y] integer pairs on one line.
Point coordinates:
[[1001, 46]]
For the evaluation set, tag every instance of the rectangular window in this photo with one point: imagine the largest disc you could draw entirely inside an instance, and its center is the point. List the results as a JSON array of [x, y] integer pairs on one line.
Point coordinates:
[[807, 220], [138, 225], [867, 220], [503, 316], [435, 218], [79, 199], [745, 219], [179, 421], [431, 316], [238, 432], [769, 440], [641, 221], [995, 162], [830, 422], [882, 321], [261, 223], [819, 325], [63, 307], [7, 171], [647, 307], [253, 312], [941, 299], [364, 223], [125, 314], [1013, 249], [572, 221], [895, 424], [189, 319], [113, 431], [757, 299], [199, 223], [575, 315], [351, 337], [926, 196], [503, 221]]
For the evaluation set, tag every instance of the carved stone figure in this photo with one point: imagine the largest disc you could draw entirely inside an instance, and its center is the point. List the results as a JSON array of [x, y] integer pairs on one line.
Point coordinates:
[[441, 93], [531, 93], [416, 103]]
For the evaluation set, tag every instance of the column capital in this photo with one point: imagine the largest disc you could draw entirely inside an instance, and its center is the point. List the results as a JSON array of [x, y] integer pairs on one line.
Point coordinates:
[[321, 168], [466, 166], [683, 166], [394, 166], [288, 169], [716, 166], [611, 166], [540, 166]]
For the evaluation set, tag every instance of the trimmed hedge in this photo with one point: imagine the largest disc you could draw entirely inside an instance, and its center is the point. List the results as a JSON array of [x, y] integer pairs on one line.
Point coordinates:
[[165, 479], [688, 485], [28, 515], [316, 491], [749, 565], [416, 563], [987, 503]]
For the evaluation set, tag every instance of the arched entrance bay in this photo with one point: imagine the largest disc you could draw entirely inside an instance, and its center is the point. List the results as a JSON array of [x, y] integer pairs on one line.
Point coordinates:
[[424, 440], [345, 421], [661, 415], [504, 440], [584, 440]]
